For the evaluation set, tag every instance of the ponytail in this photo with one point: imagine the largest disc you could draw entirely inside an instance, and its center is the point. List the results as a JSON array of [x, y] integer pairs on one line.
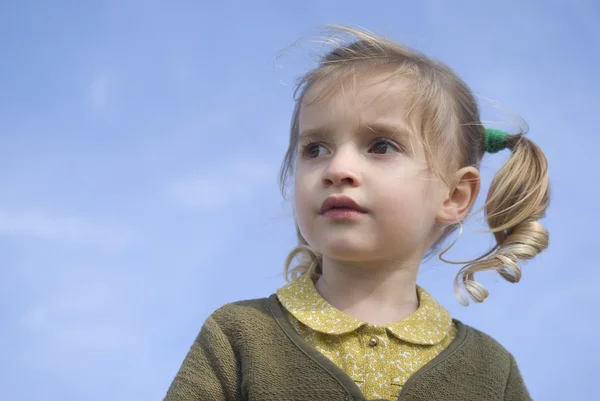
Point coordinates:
[[518, 198]]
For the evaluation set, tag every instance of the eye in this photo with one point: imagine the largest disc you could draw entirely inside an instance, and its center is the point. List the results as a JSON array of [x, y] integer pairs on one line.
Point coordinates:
[[383, 146], [313, 150]]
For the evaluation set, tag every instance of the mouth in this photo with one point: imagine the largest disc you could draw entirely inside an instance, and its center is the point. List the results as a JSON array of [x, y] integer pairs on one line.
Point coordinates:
[[341, 204]]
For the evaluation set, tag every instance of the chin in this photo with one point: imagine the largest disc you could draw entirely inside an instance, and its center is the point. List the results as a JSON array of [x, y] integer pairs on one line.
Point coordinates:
[[346, 251]]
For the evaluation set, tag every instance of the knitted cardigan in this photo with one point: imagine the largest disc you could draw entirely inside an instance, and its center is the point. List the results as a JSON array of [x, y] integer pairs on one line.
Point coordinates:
[[248, 350]]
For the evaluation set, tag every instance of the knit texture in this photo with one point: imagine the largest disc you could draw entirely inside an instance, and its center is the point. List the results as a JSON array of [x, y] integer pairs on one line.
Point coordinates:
[[248, 350]]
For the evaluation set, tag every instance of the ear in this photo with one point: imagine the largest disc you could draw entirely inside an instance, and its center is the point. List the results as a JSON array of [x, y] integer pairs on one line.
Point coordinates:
[[461, 196]]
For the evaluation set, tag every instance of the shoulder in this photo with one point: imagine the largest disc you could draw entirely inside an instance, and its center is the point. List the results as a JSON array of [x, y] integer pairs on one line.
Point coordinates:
[[242, 308], [243, 317], [250, 329], [476, 337], [492, 363], [482, 348]]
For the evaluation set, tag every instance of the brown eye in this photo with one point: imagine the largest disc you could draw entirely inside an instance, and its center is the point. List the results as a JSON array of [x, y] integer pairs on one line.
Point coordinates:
[[383, 147]]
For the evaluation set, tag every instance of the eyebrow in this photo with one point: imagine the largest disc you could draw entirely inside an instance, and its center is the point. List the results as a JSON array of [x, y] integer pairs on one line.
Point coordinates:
[[388, 130], [316, 132], [384, 129]]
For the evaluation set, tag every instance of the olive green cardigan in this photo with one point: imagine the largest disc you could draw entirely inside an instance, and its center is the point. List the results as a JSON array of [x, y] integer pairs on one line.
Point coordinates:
[[249, 350]]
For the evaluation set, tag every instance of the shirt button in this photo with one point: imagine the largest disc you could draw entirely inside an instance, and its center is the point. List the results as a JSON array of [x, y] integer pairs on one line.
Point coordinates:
[[373, 341]]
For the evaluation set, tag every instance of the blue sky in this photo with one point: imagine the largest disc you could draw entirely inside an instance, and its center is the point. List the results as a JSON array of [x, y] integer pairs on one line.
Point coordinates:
[[139, 149]]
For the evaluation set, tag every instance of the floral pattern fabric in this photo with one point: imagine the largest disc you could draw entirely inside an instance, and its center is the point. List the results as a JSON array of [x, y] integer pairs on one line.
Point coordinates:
[[378, 358]]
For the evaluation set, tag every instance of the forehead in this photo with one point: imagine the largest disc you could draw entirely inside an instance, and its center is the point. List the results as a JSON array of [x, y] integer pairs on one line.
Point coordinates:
[[358, 96]]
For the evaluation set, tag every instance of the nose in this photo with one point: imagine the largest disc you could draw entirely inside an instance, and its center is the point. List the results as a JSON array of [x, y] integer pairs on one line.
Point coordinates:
[[342, 170]]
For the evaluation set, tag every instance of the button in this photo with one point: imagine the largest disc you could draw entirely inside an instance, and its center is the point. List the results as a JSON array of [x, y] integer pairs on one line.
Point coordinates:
[[373, 341]]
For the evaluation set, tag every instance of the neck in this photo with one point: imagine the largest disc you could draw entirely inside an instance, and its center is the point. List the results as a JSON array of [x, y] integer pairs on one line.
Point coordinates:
[[378, 294]]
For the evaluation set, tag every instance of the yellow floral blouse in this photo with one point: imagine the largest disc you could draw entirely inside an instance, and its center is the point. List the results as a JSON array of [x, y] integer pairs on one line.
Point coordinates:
[[379, 359]]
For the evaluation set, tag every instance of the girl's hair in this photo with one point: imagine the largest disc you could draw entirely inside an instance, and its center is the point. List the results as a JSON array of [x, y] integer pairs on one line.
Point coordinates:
[[447, 118]]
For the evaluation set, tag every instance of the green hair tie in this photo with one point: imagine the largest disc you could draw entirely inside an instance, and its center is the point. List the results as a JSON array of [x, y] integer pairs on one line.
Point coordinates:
[[494, 140]]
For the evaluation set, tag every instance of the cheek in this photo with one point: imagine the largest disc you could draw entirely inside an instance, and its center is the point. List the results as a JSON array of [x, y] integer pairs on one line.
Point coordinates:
[[403, 206], [303, 206], [407, 212]]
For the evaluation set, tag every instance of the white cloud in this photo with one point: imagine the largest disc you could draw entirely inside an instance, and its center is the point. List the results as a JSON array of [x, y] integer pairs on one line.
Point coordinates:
[[61, 229], [212, 190], [98, 92]]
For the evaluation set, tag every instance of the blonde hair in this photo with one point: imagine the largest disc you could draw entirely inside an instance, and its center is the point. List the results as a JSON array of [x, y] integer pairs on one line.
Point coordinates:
[[452, 134]]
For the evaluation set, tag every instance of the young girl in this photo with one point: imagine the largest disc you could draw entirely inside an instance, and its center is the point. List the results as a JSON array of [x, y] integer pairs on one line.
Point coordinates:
[[384, 149]]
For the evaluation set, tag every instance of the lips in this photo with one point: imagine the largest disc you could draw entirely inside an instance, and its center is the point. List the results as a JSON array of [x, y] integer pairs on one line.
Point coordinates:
[[340, 202]]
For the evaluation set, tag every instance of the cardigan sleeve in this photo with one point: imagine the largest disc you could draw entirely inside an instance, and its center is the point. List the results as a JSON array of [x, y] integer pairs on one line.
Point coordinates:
[[209, 370], [515, 386]]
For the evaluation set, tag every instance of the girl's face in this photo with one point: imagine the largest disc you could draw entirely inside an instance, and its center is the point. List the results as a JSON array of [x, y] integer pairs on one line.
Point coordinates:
[[359, 143]]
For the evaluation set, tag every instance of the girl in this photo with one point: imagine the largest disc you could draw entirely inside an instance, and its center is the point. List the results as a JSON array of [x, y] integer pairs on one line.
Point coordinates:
[[384, 149]]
